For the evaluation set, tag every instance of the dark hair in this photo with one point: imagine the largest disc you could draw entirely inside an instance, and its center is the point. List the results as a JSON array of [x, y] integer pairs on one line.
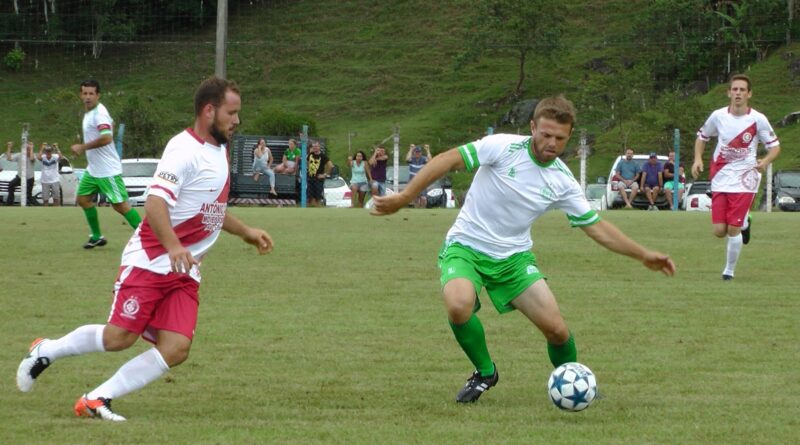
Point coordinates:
[[212, 91], [558, 108], [91, 83], [363, 155], [744, 77]]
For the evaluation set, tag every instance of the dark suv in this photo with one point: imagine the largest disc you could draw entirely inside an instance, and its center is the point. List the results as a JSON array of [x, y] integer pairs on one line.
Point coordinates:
[[785, 191]]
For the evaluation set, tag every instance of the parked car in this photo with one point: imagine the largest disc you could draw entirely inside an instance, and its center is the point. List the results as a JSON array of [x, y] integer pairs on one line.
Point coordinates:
[[138, 174], [438, 194], [785, 191], [596, 195], [337, 192], [697, 197], [613, 198], [69, 181]]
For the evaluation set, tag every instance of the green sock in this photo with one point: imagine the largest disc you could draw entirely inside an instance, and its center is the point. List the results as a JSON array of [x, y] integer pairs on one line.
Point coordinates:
[[133, 218], [471, 338], [560, 354], [94, 222]]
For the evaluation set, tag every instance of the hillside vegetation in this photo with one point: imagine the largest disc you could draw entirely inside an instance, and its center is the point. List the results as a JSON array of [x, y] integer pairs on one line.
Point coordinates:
[[360, 68]]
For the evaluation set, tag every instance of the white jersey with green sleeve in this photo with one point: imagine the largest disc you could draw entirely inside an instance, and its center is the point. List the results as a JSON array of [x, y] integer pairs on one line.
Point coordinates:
[[103, 162], [509, 191]]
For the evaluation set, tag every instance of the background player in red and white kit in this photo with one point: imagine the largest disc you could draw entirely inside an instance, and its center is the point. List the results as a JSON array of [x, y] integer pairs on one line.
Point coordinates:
[[735, 171], [156, 293]]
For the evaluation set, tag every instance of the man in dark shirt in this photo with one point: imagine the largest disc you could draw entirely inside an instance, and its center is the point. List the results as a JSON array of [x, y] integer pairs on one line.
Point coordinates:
[[377, 163], [652, 180], [319, 166]]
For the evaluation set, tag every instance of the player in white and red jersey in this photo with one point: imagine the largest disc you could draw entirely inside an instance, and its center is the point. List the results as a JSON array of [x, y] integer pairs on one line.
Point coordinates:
[[735, 170], [156, 293], [517, 179]]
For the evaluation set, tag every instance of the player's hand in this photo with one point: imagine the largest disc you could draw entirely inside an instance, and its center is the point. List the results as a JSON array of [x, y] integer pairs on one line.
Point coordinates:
[[386, 205], [181, 260], [260, 239], [697, 168], [77, 149], [761, 165], [658, 261]]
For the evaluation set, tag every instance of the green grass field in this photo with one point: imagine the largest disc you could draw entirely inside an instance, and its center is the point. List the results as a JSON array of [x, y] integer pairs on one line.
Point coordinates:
[[339, 336]]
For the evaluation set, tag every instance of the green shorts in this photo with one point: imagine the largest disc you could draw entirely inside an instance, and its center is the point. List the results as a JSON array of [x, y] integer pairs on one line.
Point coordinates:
[[113, 188], [504, 279]]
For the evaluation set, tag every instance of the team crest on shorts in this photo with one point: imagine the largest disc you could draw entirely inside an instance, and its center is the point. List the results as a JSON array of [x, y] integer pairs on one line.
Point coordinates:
[[130, 307]]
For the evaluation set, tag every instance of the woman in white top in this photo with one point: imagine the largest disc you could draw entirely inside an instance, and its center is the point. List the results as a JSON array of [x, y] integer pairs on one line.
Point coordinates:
[[262, 164]]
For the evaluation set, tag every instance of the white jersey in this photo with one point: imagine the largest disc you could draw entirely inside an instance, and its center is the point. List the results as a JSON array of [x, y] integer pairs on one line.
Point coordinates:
[[193, 178], [103, 162], [733, 164], [50, 169], [510, 190]]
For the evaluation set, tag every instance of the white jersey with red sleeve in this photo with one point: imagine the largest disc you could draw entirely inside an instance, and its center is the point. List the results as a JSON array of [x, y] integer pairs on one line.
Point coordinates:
[[193, 178], [733, 164]]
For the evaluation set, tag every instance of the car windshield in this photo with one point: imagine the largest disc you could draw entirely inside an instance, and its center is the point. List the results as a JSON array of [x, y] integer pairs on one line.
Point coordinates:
[[139, 169], [790, 180], [699, 188], [332, 183], [12, 166], [595, 191], [403, 177]]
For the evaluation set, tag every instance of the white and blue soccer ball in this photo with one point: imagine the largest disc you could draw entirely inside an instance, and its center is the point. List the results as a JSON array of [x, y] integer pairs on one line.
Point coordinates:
[[572, 387]]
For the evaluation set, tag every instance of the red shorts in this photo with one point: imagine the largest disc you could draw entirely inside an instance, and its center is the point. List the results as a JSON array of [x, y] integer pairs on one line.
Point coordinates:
[[730, 208], [145, 302]]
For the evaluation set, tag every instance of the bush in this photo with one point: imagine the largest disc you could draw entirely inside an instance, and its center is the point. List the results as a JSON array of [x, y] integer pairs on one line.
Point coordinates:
[[14, 59], [277, 122]]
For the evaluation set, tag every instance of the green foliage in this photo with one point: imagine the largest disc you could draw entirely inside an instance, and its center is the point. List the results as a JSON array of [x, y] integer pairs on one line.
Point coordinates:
[[142, 127], [519, 27], [276, 121], [14, 58]]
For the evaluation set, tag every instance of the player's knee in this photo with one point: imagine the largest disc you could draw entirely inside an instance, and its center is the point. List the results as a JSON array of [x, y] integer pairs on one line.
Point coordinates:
[[118, 340], [720, 232], [557, 334], [174, 355]]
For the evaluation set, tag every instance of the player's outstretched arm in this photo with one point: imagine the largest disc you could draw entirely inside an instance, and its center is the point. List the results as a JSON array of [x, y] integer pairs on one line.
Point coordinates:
[[250, 235], [433, 170], [610, 237]]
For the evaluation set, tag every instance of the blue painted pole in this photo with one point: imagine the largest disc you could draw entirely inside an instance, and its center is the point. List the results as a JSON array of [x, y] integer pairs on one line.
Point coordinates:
[[120, 134], [304, 167], [676, 178], [490, 131]]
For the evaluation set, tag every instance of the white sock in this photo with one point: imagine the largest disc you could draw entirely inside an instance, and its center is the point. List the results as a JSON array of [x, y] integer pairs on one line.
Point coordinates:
[[85, 339], [132, 376], [734, 249]]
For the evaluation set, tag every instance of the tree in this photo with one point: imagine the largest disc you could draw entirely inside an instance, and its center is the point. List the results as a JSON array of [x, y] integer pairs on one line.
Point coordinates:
[[520, 27]]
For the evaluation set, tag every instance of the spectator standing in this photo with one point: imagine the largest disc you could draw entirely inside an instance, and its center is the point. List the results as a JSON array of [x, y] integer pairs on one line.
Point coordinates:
[[669, 176], [359, 179], [288, 165], [415, 163], [628, 173], [156, 295], [735, 169], [262, 165], [50, 179], [29, 173], [652, 180], [377, 172], [104, 170], [319, 167]]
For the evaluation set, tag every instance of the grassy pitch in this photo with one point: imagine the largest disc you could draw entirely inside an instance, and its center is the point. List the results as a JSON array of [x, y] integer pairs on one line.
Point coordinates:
[[339, 336]]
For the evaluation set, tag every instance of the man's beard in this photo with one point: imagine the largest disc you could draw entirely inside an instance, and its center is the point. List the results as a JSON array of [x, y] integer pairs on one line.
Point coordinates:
[[218, 134]]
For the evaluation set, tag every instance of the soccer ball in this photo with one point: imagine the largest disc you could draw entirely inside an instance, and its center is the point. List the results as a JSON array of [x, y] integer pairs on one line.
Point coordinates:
[[572, 387]]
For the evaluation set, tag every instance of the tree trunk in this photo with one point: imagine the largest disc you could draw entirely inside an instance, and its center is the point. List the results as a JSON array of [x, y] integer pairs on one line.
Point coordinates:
[[523, 53], [790, 6]]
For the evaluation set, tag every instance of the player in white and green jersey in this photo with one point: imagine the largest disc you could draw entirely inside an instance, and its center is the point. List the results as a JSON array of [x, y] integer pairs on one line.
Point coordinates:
[[517, 179], [104, 170]]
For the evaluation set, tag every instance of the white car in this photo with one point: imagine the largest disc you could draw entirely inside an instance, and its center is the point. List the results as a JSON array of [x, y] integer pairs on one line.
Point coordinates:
[[695, 199], [138, 174], [613, 197], [596, 195], [68, 181], [337, 192]]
